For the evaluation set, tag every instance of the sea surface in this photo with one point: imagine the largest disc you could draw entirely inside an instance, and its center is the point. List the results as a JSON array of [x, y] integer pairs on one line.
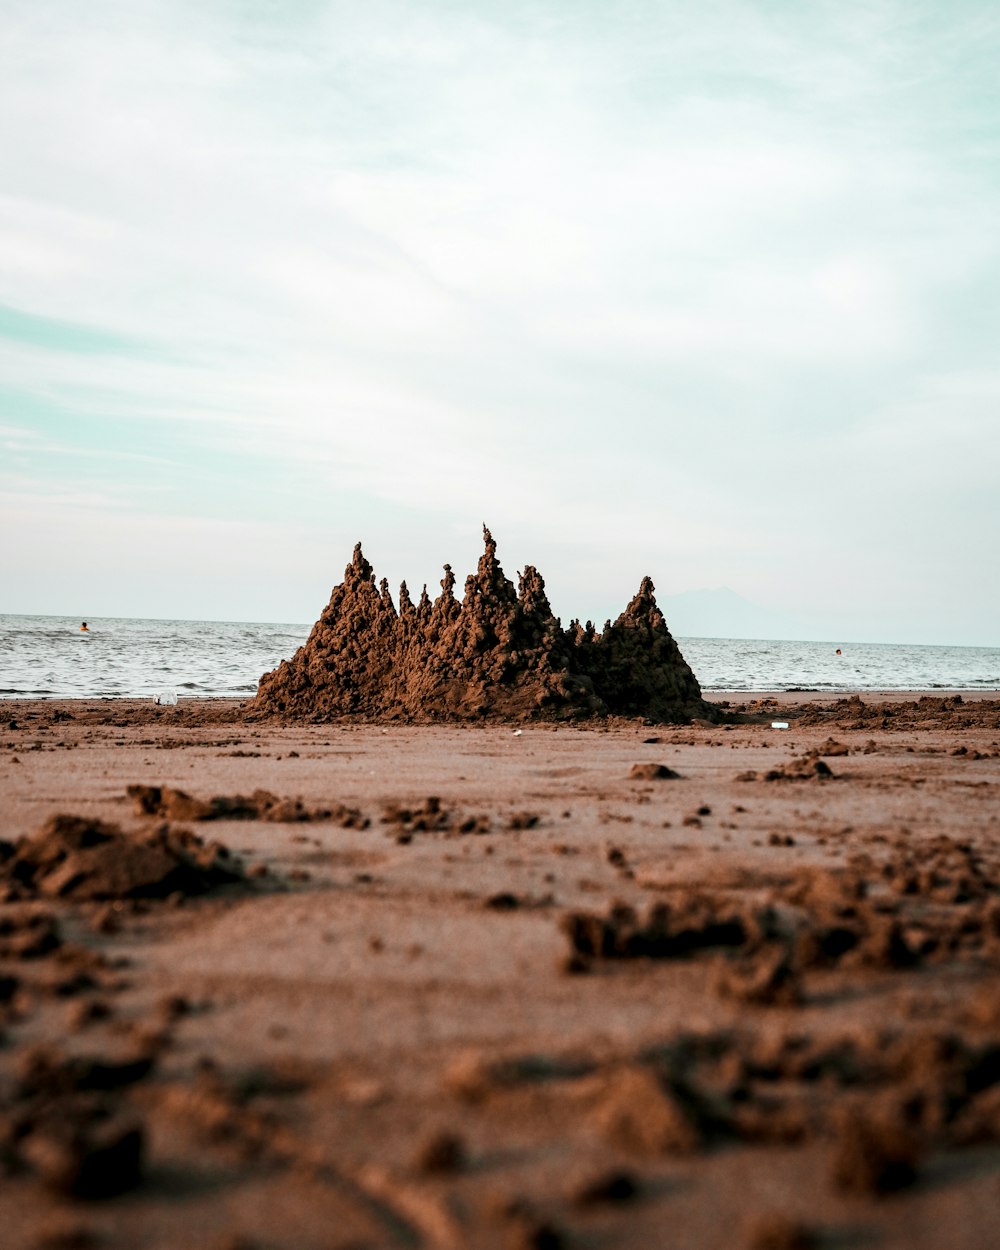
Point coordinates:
[[48, 657]]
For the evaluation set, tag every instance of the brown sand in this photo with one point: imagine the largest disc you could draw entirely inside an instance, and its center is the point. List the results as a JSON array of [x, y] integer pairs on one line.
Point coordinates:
[[497, 653], [494, 986]]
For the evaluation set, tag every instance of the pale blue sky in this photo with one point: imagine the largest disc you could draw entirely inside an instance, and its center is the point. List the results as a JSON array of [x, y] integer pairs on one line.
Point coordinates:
[[706, 291]]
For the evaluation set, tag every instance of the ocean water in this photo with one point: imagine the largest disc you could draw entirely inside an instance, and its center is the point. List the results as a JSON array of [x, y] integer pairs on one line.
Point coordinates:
[[48, 657], [746, 664]]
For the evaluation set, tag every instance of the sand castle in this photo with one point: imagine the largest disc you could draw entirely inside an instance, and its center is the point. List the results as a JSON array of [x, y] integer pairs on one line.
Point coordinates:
[[499, 652]]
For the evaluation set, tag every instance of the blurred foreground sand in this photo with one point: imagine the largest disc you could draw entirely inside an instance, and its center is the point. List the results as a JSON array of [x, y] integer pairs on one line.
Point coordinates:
[[388, 1039]]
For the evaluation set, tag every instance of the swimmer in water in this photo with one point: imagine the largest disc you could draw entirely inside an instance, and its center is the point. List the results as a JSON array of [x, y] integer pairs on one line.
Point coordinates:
[[84, 628]]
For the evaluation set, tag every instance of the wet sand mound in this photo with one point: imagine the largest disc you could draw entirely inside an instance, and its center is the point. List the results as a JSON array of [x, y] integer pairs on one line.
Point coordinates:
[[927, 712], [498, 652], [905, 912], [74, 857], [261, 805]]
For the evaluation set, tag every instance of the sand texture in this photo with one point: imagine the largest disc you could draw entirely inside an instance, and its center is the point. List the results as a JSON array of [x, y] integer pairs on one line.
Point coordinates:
[[603, 986], [499, 653]]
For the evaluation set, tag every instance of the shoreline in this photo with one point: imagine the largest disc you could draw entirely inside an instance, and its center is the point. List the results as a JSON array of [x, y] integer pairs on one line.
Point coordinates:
[[867, 696], [780, 695]]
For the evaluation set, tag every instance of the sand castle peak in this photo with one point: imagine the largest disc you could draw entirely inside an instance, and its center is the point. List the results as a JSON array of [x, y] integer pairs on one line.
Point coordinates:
[[500, 652], [387, 603], [488, 588], [359, 569], [531, 592], [642, 607]]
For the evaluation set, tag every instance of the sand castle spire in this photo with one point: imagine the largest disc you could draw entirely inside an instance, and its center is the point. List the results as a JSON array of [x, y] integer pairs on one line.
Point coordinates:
[[359, 569], [489, 586], [637, 665], [642, 607], [531, 592]]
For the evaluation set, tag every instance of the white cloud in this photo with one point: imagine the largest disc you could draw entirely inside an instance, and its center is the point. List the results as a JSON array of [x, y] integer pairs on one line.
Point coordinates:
[[662, 282]]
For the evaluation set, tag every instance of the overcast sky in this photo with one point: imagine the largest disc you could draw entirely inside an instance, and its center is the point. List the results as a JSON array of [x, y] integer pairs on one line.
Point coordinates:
[[706, 291]]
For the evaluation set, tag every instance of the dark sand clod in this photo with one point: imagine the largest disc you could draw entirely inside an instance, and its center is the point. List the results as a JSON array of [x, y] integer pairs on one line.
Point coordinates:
[[786, 1031]]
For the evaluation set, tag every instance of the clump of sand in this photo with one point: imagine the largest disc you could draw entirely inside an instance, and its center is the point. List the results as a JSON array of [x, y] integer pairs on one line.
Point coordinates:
[[74, 857], [499, 651]]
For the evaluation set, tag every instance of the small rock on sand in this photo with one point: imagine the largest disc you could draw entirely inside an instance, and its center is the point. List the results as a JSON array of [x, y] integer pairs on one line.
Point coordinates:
[[442, 1153], [874, 1154], [95, 1160], [640, 1114], [605, 1187], [652, 772]]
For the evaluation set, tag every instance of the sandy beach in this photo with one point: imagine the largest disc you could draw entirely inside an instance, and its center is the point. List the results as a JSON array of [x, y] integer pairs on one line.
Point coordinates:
[[601, 985]]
